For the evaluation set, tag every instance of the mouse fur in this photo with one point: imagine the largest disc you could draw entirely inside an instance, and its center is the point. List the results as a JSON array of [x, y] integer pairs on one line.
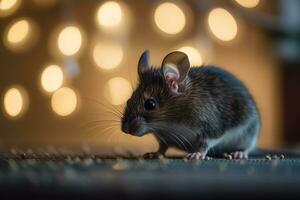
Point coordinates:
[[203, 110]]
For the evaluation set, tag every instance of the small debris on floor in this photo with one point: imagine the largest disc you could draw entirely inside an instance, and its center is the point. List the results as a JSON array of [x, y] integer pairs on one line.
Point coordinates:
[[268, 157], [274, 157]]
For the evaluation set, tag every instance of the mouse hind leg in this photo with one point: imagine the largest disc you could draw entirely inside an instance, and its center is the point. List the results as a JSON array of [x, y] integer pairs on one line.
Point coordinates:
[[239, 141]]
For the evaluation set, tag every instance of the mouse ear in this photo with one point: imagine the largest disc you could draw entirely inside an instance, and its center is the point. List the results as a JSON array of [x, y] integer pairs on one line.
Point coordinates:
[[144, 63], [175, 68]]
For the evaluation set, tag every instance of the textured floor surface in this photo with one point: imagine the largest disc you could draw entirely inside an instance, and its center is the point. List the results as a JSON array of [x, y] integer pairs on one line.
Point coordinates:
[[95, 177]]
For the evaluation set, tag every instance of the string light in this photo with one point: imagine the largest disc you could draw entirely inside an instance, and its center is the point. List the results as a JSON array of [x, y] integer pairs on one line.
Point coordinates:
[[108, 55], [193, 54], [15, 101], [52, 78], [117, 90], [64, 101], [222, 24], [8, 7], [169, 18], [109, 14], [248, 3], [69, 40]]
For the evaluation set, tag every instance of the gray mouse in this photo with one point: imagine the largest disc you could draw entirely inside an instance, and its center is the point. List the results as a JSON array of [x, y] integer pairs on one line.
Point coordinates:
[[202, 110]]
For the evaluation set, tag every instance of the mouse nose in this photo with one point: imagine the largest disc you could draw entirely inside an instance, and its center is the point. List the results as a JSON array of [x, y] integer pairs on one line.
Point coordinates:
[[131, 126], [134, 125]]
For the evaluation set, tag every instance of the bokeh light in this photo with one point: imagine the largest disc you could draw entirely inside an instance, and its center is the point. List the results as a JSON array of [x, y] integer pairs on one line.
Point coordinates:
[[222, 24], [193, 54], [69, 40], [108, 55], [52, 78], [18, 31], [118, 90], [169, 18], [8, 7], [109, 14], [7, 4], [64, 101], [248, 3], [15, 101], [20, 34]]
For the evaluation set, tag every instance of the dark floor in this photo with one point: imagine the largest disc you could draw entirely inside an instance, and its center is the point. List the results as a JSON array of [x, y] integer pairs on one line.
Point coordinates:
[[97, 178]]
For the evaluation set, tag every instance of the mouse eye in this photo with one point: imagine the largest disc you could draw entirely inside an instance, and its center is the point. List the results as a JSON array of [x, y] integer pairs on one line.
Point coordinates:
[[150, 104]]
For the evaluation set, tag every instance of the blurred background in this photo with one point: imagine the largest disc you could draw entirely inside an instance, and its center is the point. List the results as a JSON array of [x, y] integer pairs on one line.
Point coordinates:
[[68, 66]]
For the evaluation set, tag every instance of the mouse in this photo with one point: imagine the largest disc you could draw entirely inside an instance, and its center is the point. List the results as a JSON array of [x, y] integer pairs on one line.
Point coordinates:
[[202, 110]]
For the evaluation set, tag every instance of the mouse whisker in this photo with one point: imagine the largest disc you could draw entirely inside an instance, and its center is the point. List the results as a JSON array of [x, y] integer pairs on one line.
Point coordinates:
[[182, 136], [107, 120], [169, 134], [108, 107], [117, 108], [175, 127], [111, 137], [104, 121], [103, 132], [182, 144], [119, 139], [92, 131], [110, 113], [187, 141], [177, 132], [95, 127], [161, 138], [100, 123]]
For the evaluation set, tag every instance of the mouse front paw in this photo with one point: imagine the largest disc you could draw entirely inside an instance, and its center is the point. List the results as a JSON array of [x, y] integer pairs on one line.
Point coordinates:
[[197, 156], [153, 155], [239, 155]]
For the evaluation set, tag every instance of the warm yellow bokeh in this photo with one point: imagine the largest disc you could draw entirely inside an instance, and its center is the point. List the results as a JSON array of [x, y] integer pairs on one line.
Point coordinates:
[[248, 3], [118, 90], [108, 55], [21, 34], [52, 78], [18, 32], [8, 7], [222, 24], [7, 4], [14, 101], [109, 14], [64, 101], [169, 18], [193, 54], [69, 40]]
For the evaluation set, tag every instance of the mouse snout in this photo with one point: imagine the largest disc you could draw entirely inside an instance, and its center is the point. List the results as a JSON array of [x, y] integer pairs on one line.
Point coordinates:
[[131, 126], [134, 125]]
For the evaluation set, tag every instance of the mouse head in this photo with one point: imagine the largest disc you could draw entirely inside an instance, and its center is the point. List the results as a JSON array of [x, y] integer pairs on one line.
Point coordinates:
[[157, 92]]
